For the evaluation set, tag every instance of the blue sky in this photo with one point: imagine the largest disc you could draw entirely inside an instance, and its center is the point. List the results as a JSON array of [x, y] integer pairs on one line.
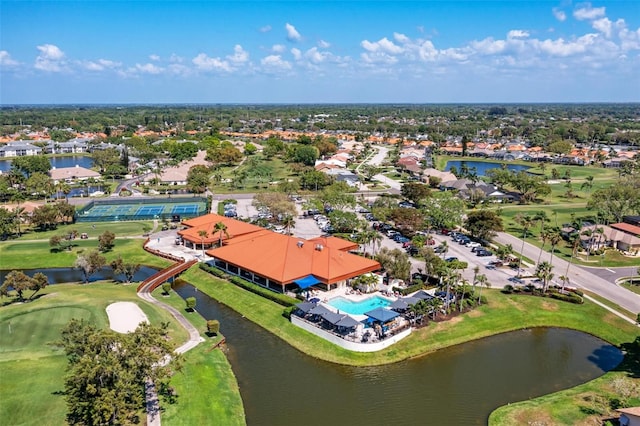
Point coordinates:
[[319, 51]]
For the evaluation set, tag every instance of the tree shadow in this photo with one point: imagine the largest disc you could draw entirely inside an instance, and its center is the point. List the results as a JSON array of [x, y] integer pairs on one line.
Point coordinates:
[[631, 360]]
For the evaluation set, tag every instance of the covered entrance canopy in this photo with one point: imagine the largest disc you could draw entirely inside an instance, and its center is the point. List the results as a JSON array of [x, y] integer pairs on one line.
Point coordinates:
[[307, 281]]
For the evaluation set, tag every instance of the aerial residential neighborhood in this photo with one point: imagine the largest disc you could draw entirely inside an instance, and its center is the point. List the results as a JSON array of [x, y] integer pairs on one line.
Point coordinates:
[[320, 213]]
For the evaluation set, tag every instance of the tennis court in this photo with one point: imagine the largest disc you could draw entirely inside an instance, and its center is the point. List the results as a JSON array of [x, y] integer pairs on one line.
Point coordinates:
[[175, 209]]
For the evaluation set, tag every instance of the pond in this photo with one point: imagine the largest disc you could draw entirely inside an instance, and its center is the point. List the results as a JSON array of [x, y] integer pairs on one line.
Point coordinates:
[[70, 275], [481, 167], [458, 385], [57, 162]]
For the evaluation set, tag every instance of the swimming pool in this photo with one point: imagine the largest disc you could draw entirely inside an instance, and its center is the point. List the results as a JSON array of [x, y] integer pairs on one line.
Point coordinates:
[[358, 308]]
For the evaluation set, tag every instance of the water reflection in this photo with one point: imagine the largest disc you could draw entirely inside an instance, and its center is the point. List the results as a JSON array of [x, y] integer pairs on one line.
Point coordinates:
[[459, 385]]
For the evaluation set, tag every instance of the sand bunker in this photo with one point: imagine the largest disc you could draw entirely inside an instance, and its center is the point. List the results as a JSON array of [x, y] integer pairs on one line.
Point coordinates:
[[124, 317]]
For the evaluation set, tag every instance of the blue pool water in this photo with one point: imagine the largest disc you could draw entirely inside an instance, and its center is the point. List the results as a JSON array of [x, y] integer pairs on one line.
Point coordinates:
[[358, 308]]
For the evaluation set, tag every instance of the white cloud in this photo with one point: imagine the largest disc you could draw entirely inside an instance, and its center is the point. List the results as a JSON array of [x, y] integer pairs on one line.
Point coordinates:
[[517, 34], [400, 38], [378, 58], [6, 61], [488, 46], [292, 33], [563, 48], [265, 29], [149, 68], [297, 54], [323, 44], [101, 65], [383, 45], [51, 59], [206, 63], [559, 14], [588, 13], [176, 58], [179, 70], [603, 25], [154, 57], [275, 63], [240, 56], [315, 56], [278, 48]]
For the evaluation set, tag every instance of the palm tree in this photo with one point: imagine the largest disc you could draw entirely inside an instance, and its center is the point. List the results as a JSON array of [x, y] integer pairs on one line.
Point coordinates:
[[445, 248], [525, 221], [565, 281], [543, 271], [554, 238], [376, 240], [289, 222], [541, 217], [574, 246], [544, 237], [203, 234], [476, 270], [484, 282], [19, 213], [221, 229]]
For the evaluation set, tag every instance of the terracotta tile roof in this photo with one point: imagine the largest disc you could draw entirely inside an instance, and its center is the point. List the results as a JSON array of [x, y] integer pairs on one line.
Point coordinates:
[[284, 259], [235, 228], [634, 411], [627, 227]]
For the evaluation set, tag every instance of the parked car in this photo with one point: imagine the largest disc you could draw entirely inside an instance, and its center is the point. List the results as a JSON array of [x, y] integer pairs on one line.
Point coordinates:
[[439, 249], [484, 253], [451, 259], [412, 250], [516, 280], [472, 244]]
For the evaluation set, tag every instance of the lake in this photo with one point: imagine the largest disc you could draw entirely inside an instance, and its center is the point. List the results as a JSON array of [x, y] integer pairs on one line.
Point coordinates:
[[460, 385], [57, 162], [481, 167]]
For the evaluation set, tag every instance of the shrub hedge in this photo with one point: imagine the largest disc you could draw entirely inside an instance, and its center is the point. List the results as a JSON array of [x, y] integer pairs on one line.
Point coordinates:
[[280, 299], [409, 290]]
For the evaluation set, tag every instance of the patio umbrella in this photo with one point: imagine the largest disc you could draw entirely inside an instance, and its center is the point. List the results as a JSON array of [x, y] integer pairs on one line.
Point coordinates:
[[331, 317], [400, 304], [305, 306], [318, 310], [347, 322], [382, 315]]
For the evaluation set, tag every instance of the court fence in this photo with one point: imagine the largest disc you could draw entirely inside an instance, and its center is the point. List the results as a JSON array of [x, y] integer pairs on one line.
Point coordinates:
[[85, 214]]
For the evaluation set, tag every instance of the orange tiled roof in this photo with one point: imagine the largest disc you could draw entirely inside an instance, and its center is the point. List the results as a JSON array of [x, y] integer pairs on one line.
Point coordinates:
[[284, 259], [208, 222]]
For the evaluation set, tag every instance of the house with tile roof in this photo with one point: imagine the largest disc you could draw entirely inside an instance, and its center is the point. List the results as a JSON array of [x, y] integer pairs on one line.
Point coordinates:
[[275, 261], [72, 174]]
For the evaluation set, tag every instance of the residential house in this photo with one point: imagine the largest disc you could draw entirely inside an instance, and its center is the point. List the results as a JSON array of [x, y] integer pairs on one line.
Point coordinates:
[[73, 146], [72, 174], [629, 416], [19, 149], [596, 236]]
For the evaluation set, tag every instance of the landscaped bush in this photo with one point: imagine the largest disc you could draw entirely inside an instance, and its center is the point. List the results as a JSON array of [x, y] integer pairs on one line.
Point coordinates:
[[213, 327], [409, 290], [280, 299], [288, 311], [572, 298], [508, 289]]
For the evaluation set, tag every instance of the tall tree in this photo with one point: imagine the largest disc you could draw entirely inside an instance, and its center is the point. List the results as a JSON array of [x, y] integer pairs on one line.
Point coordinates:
[[90, 263], [107, 371], [525, 221], [483, 224], [221, 229]]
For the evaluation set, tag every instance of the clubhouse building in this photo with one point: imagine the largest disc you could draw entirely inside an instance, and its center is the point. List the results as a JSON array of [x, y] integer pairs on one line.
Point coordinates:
[[279, 262]]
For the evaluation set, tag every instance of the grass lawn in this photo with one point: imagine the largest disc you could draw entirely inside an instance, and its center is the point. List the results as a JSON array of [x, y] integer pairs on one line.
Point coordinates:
[[33, 369], [204, 368], [503, 313], [635, 287], [586, 404], [92, 229], [29, 254]]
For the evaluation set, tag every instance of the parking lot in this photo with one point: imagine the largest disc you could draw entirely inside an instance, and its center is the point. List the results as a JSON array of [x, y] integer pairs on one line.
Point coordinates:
[[306, 227]]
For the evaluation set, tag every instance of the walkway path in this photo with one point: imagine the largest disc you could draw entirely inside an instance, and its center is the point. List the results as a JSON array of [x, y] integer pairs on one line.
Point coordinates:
[[152, 404]]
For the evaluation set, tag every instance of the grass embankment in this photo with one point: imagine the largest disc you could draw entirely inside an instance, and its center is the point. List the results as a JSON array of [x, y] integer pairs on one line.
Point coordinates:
[[202, 370], [503, 313], [32, 369]]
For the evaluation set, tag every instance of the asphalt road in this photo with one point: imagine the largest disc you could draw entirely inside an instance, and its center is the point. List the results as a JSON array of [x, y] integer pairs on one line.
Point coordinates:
[[579, 277]]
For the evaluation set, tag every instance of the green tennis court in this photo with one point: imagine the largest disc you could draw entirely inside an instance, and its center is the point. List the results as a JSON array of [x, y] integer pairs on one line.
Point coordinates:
[[175, 209]]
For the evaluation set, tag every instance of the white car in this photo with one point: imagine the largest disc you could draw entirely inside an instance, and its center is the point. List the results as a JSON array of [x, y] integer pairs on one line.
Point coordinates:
[[473, 244]]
